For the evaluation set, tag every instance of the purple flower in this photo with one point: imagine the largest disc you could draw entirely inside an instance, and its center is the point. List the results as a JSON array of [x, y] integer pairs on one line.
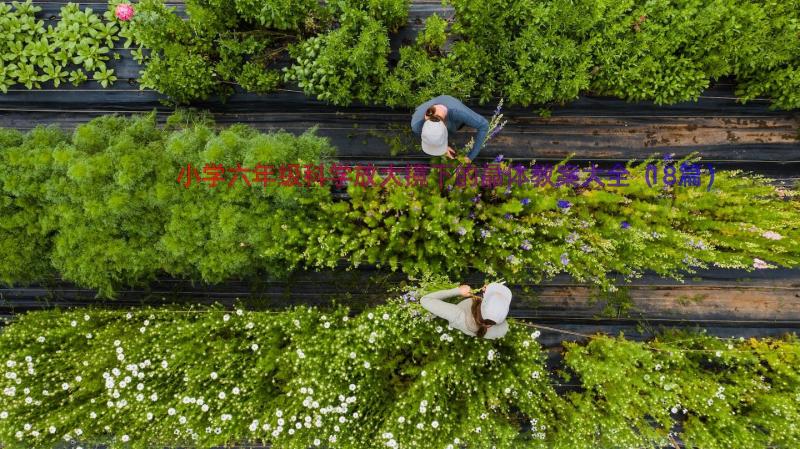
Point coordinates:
[[625, 225], [408, 297], [498, 108], [572, 237], [564, 259], [508, 190], [499, 158], [472, 215], [496, 131], [476, 198], [507, 216], [484, 233], [449, 187], [526, 245], [511, 258], [461, 230], [564, 204], [525, 201]]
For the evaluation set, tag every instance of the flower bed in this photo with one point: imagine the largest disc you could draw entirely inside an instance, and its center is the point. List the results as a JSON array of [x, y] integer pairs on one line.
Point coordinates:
[[107, 206], [389, 377]]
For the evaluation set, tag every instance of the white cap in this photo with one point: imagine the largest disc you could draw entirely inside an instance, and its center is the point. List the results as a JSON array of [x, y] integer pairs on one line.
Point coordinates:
[[496, 300], [434, 138]]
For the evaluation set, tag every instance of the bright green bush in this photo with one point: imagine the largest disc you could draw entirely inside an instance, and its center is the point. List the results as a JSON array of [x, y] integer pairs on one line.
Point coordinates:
[[79, 44], [392, 13], [390, 376], [25, 178], [220, 233], [104, 207], [109, 199], [434, 36]]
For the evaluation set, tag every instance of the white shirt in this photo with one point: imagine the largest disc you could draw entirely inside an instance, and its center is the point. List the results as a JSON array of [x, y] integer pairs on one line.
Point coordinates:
[[459, 315]]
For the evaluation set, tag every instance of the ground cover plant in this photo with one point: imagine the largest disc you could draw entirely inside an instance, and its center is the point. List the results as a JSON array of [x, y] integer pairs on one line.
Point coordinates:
[[123, 200], [74, 50], [390, 376]]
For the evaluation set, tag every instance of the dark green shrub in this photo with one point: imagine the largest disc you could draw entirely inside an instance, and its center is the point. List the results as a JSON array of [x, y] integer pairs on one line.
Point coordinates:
[[420, 76], [217, 46], [392, 13], [345, 65]]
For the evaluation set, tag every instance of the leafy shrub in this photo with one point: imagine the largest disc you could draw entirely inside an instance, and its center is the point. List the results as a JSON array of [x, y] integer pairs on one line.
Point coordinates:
[[420, 76], [240, 230], [218, 45], [79, 44], [344, 65], [389, 376], [768, 61], [392, 13], [277, 14], [109, 203], [25, 178], [434, 36], [105, 210], [665, 52]]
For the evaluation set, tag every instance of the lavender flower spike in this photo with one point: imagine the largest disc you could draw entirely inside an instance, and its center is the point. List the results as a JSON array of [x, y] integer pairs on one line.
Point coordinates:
[[499, 107]]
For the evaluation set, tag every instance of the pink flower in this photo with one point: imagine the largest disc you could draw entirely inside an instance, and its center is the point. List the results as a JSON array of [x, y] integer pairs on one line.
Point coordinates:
[[760, 264], [771, 235], [124, 11]]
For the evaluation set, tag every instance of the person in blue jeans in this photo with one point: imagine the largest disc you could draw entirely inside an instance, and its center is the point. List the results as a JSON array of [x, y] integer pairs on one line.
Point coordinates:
[[439, 117]]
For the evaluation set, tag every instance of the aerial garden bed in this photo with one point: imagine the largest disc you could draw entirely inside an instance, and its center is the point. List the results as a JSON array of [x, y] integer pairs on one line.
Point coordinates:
[[387, 377], [121, 200], [345, 52]]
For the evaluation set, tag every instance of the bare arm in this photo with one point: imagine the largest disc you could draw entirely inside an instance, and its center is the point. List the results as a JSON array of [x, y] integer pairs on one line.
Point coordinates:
[[433, 303]]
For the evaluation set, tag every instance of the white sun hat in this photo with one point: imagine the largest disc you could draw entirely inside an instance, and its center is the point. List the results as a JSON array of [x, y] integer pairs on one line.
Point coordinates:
[[496, 300], [434, 138]]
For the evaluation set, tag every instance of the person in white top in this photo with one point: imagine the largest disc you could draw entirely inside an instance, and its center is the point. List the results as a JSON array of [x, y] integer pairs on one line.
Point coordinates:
[[475, 316]]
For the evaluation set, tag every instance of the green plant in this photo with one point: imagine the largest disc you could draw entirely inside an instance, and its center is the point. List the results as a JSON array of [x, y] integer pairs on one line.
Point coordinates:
[[434, 36], [31, 54], [522, 232], [218, 45], [390, 376], [768, 47], [344, 65], [420, 76]]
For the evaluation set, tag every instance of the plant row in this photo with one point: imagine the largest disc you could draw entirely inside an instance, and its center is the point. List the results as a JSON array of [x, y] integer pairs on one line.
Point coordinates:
[[108, 206], [388, 377], [547, 51]]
